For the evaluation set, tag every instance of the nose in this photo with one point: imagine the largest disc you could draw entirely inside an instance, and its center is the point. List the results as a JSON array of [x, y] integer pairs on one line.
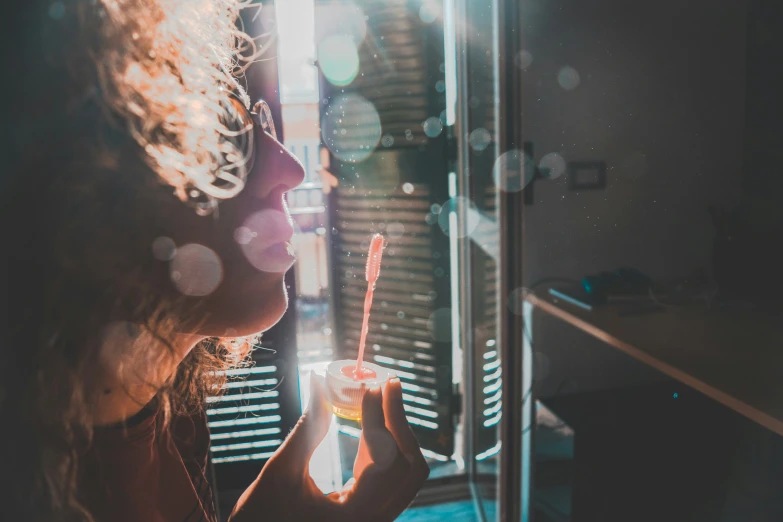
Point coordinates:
[[275, 169]]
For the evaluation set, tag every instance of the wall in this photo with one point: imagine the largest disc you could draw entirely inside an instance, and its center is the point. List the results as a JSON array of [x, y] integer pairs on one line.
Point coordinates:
[[661, 100], [764, 107]]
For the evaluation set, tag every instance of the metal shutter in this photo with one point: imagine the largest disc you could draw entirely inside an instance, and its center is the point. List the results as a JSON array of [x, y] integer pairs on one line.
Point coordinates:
[[260, 405], [245, 421], [396, 71], [400, 70]]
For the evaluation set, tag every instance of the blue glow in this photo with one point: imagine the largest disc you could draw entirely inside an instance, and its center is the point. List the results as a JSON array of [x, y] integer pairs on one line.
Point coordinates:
[[339, 59]]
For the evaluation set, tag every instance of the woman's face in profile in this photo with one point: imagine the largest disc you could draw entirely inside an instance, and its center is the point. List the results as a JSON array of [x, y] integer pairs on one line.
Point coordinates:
[[230, 266]]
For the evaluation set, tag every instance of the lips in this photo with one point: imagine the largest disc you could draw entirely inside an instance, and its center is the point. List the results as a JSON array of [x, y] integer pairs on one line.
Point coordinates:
[[265, 240]]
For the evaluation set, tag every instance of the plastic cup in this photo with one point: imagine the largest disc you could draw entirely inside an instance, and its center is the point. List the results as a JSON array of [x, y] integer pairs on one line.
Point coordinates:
[[345, 393]]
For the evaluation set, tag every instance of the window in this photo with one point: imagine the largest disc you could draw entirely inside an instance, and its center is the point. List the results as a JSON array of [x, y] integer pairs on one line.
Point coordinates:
[[370, 104]]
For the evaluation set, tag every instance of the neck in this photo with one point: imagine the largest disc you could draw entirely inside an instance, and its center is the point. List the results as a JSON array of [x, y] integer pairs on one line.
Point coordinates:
[[134, 365]]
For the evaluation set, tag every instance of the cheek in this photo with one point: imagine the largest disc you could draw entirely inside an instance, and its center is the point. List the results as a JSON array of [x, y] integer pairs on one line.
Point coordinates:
[[236, 300]]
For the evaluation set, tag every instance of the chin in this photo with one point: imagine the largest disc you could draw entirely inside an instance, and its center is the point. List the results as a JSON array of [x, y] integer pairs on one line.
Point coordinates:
[[245, 312]]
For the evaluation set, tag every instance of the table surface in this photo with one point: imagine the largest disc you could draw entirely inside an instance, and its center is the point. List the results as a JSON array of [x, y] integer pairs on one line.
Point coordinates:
[[733, 355]]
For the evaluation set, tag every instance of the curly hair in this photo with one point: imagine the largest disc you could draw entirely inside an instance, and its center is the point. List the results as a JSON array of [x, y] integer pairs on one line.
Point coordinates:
[[113, 106], [168, 81]]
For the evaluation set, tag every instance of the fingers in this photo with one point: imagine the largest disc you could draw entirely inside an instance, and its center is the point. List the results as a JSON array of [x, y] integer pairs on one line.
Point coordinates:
[[401, 430], [406, 440], [363, 458], [295, 453], [379, 466], [388, 484], [372, 409], [396, 422], [375, 490], [376, 444]]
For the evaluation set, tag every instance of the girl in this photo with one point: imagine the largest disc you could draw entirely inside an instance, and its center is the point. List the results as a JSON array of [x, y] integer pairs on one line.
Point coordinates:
[[146, 241]]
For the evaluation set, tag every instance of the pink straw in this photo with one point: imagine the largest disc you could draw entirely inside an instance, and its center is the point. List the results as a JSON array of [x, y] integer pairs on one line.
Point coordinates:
[[371, 274]]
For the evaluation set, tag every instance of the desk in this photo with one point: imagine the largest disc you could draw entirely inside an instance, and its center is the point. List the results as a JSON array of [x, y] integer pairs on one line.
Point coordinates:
[[733, 356]]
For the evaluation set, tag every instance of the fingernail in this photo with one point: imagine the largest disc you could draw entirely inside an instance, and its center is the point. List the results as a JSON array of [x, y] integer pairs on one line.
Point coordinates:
[[394, 379]]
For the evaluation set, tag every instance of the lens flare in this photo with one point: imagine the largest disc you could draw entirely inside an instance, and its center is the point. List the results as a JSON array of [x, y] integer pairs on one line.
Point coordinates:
[[568, 78], [453, 210], [395, 230], [196, 270], [164, 248], [524, 59], [432, 127], [552, 165], [338, 59], [479, 139], [513, 170], [439, 325], [351, 128], [429, 11]]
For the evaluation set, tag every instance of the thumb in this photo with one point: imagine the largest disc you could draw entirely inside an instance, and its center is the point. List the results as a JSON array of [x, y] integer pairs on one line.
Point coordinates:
[[298, 448], [377, 445]]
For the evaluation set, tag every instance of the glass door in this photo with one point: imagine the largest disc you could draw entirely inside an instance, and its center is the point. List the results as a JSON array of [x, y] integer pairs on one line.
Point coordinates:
[[493, 168]]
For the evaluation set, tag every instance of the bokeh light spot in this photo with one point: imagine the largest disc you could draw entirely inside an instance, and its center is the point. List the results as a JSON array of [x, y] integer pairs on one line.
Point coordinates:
[[524, 59], [429, 11], [338, 59], [343, 17], [395, 230], [243, 235], [432, 127], [196, 270], [361, 123], [387, 140], [164, 248], [440, 86], [513, 170], [479, 139], [568, 78], [516, 300], [453, 210], [408, 188], [552, 165], [56, 10], [439, 325]]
